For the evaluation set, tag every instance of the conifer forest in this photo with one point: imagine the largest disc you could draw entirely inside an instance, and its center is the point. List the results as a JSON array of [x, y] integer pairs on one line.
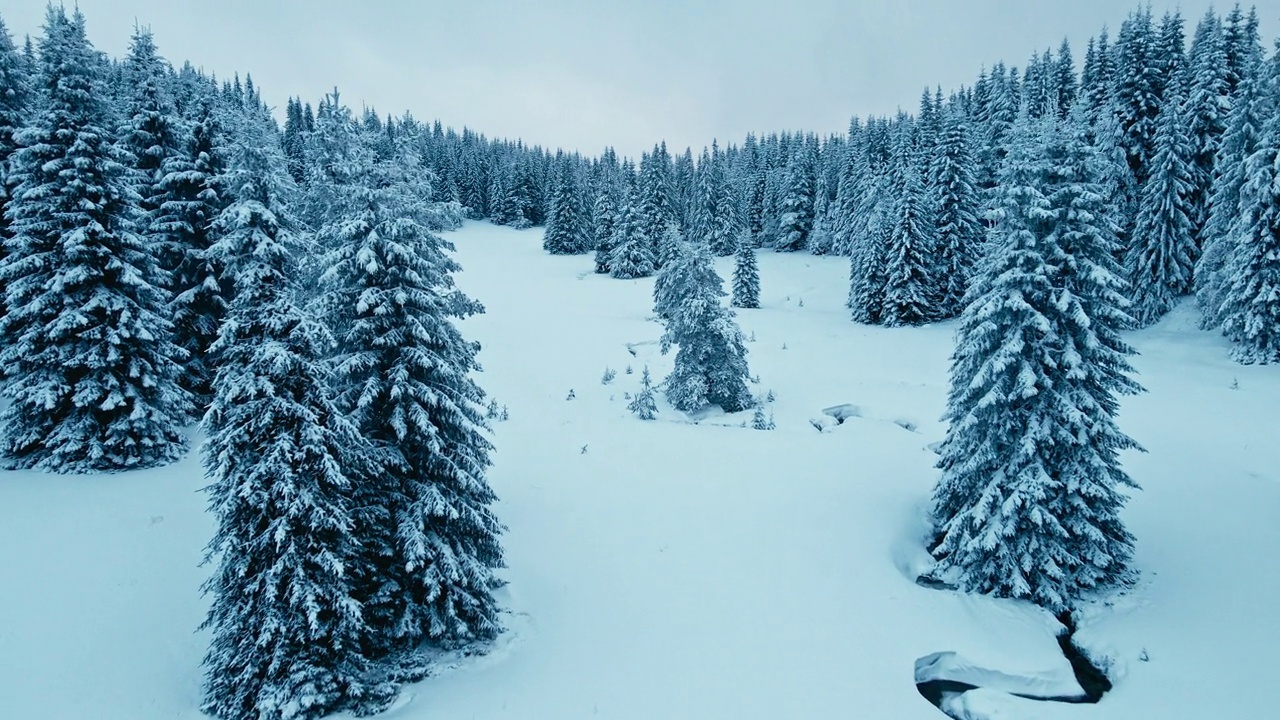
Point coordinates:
[[310, 410]]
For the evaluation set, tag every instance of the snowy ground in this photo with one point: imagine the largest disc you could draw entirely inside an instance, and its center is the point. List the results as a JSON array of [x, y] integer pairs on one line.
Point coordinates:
[[679, 570]]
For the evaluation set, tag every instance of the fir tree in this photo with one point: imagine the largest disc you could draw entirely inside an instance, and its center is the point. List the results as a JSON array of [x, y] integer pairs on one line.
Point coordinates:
[[643, 404], [959, 231], [1223, 229], [193, 196], [1250, 293], [89, 368], [746, 275], [911, 284], [1205, 115], [796, 221], [665, 284], [604, 226], [402, 373], [1027, 505], [1161, 253], [711, 363], [15, 94], [282, 461], [566, 231], [150, 134], [632, 255]]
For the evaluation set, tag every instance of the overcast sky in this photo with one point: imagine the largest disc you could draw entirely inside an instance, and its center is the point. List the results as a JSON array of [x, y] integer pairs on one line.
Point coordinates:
[[582, 74]]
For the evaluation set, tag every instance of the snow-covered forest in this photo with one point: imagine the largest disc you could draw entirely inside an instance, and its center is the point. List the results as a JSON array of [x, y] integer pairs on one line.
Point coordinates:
[[198, 283]]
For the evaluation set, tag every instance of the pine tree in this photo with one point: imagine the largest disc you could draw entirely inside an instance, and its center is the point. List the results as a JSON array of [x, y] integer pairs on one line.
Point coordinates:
[[150, 133], [1223, 230], [664, 286], [1161, 253], [1250, 293], [643, 404], [604, 226], [1205, 116], [15, 94], [402, 373], [796, 219], [911, 284], [1027, 505], [746, 275], [869, 250], [566, 230], [89, 368], [959, 232], [632, 255], [711, 363], [282, 461], [193, 197]]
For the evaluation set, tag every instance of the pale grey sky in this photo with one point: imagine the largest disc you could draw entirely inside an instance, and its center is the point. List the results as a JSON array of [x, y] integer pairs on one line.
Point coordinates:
[[581, 74]]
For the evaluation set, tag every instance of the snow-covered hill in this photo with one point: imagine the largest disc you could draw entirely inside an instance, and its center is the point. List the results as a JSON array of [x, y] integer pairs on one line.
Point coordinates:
[[695, 568]]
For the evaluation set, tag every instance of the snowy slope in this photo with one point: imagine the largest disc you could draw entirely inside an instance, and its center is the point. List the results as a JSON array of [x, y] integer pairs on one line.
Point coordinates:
[[680, 570]]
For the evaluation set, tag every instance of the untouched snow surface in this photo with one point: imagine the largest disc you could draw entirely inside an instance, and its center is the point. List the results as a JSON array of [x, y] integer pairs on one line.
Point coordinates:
[[693, 568]]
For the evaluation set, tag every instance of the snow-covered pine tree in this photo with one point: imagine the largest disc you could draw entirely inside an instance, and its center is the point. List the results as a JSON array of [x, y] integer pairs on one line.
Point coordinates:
[[89, 368], [959, 231], [15, 93], [1223, 229], [1250, 292], [1161, 254], [668, 277], [796, 219], [1137, 91], [283, 462], [565, 225], [643, 405], [193, 197], [1027, 505], [746, 275], [605, 211], [868, 249], [711, 362], [632, 255], [1205, 114], [912, 278], [150, 134], [402, 373]]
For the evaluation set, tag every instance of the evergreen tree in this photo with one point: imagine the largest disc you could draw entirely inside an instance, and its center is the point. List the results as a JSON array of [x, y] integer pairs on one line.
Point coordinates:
[[193, 197], [402, 373], [89, 368], [150, 134], [796, 219], [869, 250], [282, 461], [1205, 115], [15, 94], [1250, 293], [1223, 230], [1138, 89], [959, 232], [643, 404], [911, 287], [711, 363], [632, 255], [566, 229], [746, 275], [1161, 253], [604, 225], [1027, 505], [664, 286]]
